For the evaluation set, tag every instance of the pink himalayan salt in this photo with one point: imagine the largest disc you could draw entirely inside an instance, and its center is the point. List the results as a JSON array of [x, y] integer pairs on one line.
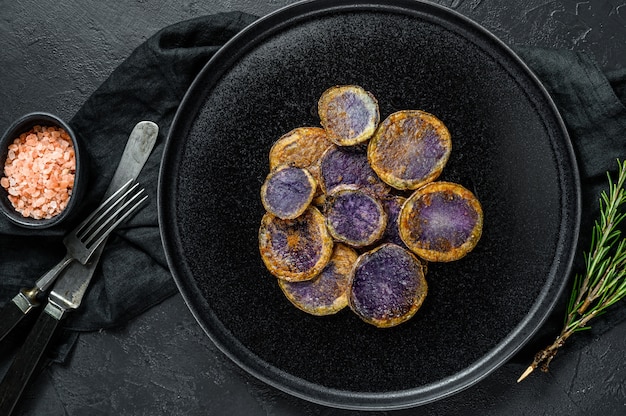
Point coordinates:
[[39, 172]]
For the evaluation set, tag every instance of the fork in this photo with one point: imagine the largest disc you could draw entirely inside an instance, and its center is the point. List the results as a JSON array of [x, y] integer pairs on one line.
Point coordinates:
[[80, 244]]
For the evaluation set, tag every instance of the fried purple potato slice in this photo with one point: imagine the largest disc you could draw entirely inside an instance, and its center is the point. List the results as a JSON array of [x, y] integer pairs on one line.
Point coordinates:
[[349, 114], [409, 149], [388, 286], [326, 293], [302, 147], [296, 249], [349, 166], [355, 217], [288, 191], [442, 221], [392, 205]]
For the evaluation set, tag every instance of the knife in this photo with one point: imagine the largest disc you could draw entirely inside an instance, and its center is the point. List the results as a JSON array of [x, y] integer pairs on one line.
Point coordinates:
[[70, 287]]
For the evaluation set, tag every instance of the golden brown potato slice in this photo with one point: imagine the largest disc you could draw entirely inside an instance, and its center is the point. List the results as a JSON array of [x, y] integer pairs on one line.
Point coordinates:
[[387, 286], [355, 217], [442, 221], [296, 249], [409, 149], [288, 191], [326, 293], [302, 147], [349, 114], [348, 165]]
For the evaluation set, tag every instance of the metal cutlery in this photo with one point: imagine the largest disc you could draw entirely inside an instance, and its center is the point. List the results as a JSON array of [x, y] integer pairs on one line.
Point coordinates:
[[137, 150], [80, 243], [72, 284]]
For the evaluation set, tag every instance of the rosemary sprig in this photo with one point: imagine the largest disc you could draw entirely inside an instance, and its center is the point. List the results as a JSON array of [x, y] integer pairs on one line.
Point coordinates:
[[604, 281]]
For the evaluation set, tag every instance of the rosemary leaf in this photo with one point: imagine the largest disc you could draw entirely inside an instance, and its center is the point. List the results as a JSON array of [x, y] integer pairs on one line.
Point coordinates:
[[604, 281]]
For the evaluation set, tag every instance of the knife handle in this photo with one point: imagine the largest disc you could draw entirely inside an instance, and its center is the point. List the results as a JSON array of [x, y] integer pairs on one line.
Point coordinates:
[[15, 310], [10, 316], [28, 357]]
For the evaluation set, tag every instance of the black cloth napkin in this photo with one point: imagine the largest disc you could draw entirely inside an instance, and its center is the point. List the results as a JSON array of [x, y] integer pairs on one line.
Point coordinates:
[[132, 275], [149, 85]]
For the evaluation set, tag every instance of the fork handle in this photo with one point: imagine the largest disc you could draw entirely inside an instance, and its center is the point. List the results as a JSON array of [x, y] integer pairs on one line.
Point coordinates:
[[28, 357]]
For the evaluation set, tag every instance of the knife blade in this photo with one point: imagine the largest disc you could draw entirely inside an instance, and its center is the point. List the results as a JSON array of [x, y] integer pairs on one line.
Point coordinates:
[[71, 286]]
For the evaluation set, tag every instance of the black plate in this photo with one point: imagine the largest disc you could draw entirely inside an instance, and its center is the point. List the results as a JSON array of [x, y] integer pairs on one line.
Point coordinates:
[[509, 146]]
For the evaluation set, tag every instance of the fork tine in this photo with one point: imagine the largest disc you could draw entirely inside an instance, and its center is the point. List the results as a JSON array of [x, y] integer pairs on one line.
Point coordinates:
[[115, 218], [129, 211], [102, 207], [106, 210]]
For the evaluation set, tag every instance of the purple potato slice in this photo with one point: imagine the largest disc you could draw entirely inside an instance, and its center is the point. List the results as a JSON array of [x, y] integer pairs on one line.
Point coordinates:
[[326, 293], [388, 286], [392, 205], [349, 114], [355, 217], [296, 249], [288, 191], [442, 221], [302, 147], [349, 166], [409, 149]]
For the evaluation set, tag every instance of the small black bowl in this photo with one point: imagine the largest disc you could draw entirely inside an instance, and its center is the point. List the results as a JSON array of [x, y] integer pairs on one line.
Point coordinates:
[[22, 125]]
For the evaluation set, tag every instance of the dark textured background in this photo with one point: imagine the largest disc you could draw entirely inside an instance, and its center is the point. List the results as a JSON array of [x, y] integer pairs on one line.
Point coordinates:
[[54, 55]]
